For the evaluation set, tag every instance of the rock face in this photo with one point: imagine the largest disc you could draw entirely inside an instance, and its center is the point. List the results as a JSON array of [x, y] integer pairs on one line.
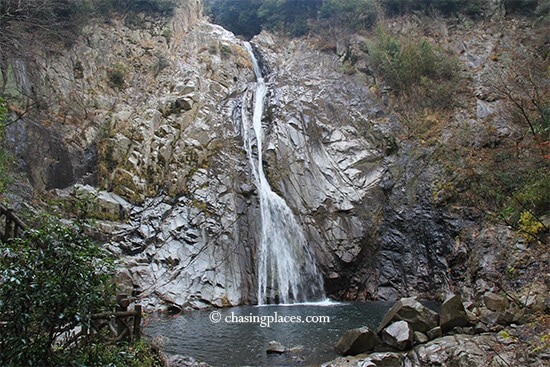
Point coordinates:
[[162, 141], [356, 341], [167, 140]]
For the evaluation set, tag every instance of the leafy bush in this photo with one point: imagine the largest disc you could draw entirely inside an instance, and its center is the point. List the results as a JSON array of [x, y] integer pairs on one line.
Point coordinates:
[[529, 226], [406, 63], [135, 354], [117, 74], [52, 280], [287, 16]]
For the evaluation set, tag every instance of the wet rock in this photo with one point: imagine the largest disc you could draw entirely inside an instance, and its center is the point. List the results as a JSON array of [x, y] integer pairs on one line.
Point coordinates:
[[123, 282], [488, 317], [480, 327], [495, 302], [356, 341], [420, 338], [398, 335], [452, 314], [47, 160], [383, 359], [456, 350], [434, 333], [275, 347], [418, 316], [177, 360]]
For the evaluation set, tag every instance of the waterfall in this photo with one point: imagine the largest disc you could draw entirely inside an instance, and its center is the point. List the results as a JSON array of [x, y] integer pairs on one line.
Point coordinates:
[[286, 268]]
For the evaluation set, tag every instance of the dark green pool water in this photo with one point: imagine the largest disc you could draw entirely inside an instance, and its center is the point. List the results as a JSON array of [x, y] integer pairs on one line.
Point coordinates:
[[239, 336]]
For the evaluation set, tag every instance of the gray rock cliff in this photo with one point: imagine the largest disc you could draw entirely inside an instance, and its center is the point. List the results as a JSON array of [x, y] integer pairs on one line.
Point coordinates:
[[150, 113]]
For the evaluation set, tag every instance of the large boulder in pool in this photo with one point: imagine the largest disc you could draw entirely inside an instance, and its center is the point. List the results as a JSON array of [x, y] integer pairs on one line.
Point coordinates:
[[419, 317], [356, 341]]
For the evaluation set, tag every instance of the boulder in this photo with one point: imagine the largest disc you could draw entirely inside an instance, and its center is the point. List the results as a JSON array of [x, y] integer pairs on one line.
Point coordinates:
[[495, 302], [434, 333], [488, 317], [383, 359], [123, 282], [480, 327], [420, 338], [184, 361], [419, 317], [275, 347], [356, 341], [398, 335], [453, 314]]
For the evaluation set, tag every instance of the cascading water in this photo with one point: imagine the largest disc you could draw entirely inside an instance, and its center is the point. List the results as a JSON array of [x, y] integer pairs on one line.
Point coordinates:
[[286, 268]]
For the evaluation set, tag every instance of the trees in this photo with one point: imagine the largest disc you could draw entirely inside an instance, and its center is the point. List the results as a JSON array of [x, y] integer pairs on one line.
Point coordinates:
[[52, 279], [240, 17], [27, 21], [248, 17]]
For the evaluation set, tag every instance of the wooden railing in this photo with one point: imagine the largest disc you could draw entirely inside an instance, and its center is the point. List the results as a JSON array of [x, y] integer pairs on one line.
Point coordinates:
[[10, 224], [122, 324]]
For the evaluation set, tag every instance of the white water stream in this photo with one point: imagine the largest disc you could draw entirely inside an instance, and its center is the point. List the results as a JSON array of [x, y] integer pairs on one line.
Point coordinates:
[[286, 268]]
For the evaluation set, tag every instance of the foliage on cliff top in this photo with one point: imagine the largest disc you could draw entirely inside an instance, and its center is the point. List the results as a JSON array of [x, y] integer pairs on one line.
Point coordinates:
[[54, 24], [249, 17]]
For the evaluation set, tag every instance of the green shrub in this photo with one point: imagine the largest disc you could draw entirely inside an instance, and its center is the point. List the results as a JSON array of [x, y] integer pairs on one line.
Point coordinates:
[[117, 74], [52, 280], [529, 226], [406, 63], [240, 17], [135, 354]]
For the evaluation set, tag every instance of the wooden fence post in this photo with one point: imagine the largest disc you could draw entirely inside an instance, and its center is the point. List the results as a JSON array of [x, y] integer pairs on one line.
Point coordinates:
[[136, 332]]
